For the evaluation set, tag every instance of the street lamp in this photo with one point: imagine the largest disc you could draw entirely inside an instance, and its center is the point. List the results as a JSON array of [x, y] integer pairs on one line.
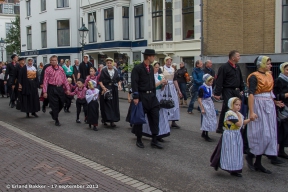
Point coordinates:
[[83, 31], [2, 43]]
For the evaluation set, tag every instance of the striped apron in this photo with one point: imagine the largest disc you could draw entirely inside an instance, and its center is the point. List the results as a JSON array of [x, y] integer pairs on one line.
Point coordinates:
[[174, 113], [209, 122], [262, 133]]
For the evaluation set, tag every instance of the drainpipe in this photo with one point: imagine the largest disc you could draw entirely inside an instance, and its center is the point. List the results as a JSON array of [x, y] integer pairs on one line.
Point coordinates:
[[202, 36]]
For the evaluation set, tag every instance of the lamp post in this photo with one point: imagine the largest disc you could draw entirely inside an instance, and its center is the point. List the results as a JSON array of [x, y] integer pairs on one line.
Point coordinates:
[[83, 31], [2, 43]]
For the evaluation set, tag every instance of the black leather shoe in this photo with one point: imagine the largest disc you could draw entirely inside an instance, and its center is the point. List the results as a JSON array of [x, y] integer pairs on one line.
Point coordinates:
[[276, 161], [219, 131], [262, 169], [249, 161], [44, 109], [208, 139], [156, 145], [78, 121], [51, 113], [95, 128], [160, 140], [236, 174], [140, 144], [283, 155], [34, 114], [57, 123]]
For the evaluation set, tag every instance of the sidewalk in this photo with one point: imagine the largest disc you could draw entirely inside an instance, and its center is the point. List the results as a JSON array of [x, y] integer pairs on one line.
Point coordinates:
[[32, 164]]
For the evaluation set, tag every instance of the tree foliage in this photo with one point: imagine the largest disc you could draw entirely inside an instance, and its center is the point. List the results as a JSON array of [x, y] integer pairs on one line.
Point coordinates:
[[13, 37]]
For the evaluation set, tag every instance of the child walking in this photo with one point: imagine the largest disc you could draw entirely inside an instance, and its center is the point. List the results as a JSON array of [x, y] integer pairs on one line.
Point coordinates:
[[93, 105], [92, 76], [68, 98], [229, 151], [80, 91], [209, 120]]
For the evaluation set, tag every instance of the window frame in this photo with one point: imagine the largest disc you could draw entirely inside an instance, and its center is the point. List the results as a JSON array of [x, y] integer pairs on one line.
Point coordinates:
[[43, 5], [28, 8], [155, 14], [186, 11], [63, 29], [283, 22], [6, 26], [43, 31], [109, 19], [138, 17], [168, 12], [125, 17], [29, 44], [93, 29], [63, 4]]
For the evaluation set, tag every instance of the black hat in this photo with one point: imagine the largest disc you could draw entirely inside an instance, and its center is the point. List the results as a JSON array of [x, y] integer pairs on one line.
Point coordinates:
[[14, 55], [149, 52], [81, 80], [21, 58]]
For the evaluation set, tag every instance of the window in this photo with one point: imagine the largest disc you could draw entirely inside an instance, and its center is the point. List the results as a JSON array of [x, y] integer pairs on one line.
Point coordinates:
[[92, 27], [157, 20], [125, 19], [28, 7], [44, 60], [62, 3], [29, 38], [8, 26], [43, 5], [139, 28], [17, 9], [44, 35], [8, 8], [169, 20], [63, 33], [188, 19], [109, 24], [285, 26], [136, 56]]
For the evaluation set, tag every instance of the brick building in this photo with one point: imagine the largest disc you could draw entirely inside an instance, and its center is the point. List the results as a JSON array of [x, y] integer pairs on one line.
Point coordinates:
[[251, 27]]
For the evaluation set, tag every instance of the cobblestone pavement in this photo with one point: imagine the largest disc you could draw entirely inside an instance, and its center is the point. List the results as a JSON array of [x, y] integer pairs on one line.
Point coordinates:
[[32, 164]]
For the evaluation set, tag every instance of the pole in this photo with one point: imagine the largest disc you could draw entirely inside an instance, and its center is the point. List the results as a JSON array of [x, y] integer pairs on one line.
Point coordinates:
[[82, 48], [202, 35], [2, 54]]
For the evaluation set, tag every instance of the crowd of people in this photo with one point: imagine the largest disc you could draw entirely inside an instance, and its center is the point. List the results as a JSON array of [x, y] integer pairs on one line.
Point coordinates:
[[161, 90]]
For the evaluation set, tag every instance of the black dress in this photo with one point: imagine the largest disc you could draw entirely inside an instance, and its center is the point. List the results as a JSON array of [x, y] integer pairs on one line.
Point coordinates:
[[110, 108], [93, 107], [280, 88], [2, 86], [30, 98]]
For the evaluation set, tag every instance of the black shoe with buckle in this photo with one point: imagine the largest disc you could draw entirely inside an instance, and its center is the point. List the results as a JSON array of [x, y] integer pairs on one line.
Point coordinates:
[[139, 144], [262, 169]]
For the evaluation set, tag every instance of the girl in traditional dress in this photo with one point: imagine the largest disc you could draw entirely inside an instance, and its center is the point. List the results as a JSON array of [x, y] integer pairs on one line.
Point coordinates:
[[262, 131], [209, 122], [169, 75], [281, 92], [68, 98], [92, 76], [28, 84], [93, 106], [230, 146], [164, 128], [109, 82]]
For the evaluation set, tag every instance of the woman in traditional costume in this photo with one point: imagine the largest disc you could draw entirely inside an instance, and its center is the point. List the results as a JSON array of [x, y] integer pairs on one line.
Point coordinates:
[[109, 82], [28, 85], [93, 106], [172, 89]]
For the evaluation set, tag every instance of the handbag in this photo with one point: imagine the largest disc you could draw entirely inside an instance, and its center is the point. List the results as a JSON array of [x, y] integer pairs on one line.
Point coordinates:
[[137, 114], [167, 102], [282, 114]]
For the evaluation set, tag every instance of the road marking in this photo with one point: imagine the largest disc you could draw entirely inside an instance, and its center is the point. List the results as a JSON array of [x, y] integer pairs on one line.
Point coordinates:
[[96, 166]]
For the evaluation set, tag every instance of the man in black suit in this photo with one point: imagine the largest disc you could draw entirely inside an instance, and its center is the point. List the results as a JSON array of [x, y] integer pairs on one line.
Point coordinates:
[[10, 71], [84, 67], [144, 90]]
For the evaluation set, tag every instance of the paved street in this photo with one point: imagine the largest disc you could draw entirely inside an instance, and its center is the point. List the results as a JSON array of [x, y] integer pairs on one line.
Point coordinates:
[[183, 164]]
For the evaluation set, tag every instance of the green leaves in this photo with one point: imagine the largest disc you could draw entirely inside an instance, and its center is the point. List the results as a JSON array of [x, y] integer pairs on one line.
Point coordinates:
[[13, 40]]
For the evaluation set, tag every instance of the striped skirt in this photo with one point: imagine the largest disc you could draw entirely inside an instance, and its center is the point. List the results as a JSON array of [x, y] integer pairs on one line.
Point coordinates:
[[209, 122], [232, 151], [164, 128], [262, 133], [174, 113]]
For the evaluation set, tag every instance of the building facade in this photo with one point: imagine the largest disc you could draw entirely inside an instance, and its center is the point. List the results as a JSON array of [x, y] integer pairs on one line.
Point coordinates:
[[117, 29], [8, 12], [251, 27], [50, 27]]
